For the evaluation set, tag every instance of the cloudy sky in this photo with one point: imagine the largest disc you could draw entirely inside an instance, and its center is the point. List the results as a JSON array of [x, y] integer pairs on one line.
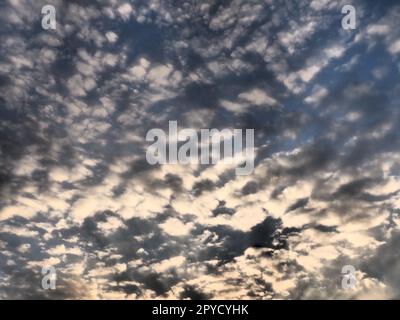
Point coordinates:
[[76, 190]]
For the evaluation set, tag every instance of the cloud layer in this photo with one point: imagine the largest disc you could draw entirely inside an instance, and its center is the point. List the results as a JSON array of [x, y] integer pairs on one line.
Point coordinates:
[[78, 194]]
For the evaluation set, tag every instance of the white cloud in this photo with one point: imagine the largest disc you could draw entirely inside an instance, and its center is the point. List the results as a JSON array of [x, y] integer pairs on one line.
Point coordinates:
[[125, 10], [394, 48], [318, 93], [167, 264], [111, 36], [257, 97], [176, 227]]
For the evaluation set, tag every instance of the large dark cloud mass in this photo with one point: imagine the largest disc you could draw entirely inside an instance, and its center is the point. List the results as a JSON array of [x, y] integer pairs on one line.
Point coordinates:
[[76, 191]]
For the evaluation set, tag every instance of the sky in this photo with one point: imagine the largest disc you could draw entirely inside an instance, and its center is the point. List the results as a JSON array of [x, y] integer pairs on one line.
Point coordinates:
[[76, 191]]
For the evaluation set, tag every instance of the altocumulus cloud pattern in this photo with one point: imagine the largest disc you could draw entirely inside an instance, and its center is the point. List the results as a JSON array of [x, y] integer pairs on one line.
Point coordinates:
[[77, 192]]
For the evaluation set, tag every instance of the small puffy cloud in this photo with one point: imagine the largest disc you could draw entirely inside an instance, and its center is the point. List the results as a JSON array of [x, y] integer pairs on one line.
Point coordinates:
[[111, 36], [394, 48], [257, 97], [176, 227], [172, 263], [125, 10], [317, 94]]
